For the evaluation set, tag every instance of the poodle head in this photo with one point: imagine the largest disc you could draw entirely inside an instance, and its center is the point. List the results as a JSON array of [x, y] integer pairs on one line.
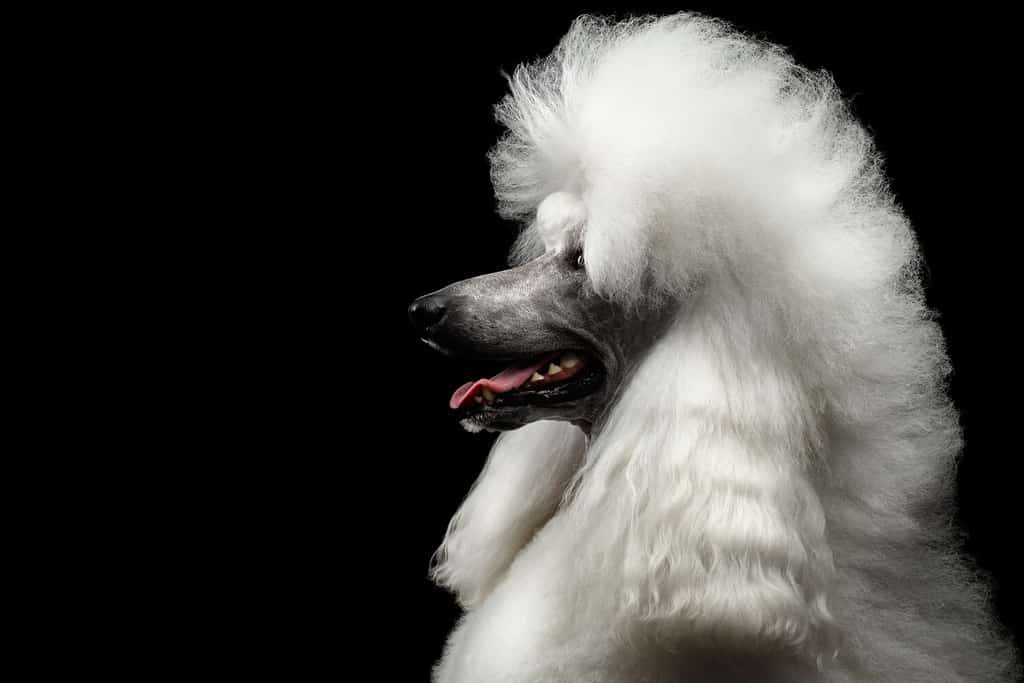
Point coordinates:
[[712, 263], [564, 348]]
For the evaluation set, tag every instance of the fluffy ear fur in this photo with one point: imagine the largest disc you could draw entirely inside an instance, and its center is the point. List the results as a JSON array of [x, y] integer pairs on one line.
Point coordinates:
[[699, 503], [519, 489]]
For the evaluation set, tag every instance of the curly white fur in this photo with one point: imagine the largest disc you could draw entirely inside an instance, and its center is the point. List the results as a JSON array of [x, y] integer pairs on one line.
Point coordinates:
[[770, 497]]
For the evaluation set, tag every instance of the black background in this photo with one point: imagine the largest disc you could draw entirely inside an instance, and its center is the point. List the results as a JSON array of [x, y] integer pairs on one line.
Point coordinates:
[[401, 160], [255, 194]]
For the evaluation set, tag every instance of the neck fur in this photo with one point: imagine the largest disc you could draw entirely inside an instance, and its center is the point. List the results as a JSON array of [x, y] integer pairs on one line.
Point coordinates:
[[696, 497]]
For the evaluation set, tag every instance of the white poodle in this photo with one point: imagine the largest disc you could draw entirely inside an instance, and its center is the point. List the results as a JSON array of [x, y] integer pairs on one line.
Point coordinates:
[[728, 451]]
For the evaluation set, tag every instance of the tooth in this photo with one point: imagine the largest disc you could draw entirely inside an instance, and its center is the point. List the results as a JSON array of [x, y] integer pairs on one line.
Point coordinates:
[[554, 369], [478, 399], [536, 377], [570, 360], [488, 394]]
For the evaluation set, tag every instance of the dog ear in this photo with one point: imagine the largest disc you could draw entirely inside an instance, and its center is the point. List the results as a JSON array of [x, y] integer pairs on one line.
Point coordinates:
[[518, 490], [709, 517]]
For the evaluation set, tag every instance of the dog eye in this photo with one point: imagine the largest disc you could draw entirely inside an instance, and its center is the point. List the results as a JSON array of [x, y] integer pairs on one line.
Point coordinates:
[[577, 260]]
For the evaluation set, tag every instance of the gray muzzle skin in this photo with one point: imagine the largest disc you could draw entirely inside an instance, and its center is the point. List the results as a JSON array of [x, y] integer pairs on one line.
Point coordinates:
[[542, 307]]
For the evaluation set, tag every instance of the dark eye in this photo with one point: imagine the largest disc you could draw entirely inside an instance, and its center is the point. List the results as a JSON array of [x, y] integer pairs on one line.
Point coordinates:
[[577, 260]]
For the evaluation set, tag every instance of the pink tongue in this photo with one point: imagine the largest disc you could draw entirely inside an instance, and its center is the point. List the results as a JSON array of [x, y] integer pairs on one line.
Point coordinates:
[[506, 380]]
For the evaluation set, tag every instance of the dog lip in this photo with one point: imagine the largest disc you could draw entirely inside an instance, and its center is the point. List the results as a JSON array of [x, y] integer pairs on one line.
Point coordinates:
[[437, 347], [464, 348]]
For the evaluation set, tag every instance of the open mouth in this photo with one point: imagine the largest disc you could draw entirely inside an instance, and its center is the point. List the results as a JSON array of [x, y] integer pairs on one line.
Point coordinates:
[[549, 379]]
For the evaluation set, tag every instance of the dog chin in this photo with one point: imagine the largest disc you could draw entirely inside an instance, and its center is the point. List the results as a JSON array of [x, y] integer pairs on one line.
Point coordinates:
[[493, 420], [504, 419]]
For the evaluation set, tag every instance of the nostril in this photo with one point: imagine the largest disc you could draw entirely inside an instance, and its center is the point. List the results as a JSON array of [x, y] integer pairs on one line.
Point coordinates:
[[427, 311]]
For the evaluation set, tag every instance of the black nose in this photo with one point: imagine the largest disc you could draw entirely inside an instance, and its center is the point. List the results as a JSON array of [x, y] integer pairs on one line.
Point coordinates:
[[427, 311]]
